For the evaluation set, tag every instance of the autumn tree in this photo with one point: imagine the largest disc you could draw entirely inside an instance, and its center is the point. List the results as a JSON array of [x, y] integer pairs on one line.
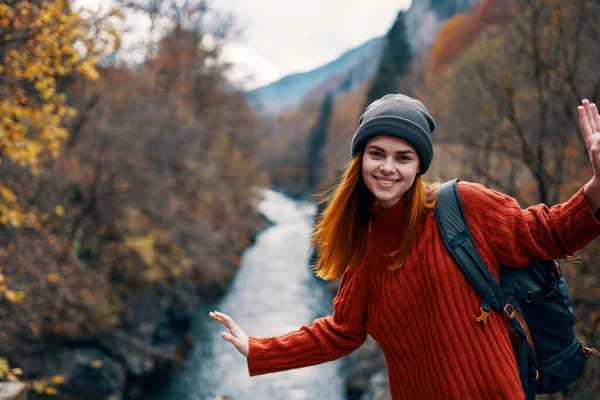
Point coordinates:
[[395, 61], [42, 46], [513, 95], [453, 37], [459, 32]]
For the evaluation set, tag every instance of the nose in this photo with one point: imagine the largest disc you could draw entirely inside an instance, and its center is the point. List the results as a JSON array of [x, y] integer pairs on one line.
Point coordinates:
[[387, 167]]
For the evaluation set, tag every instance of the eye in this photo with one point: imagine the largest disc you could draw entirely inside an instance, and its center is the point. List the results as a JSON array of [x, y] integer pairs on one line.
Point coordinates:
[[376, 154], [403, 158]]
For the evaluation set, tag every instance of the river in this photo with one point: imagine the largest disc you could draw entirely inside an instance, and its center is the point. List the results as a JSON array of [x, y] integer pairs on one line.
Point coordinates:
[[273, 293]]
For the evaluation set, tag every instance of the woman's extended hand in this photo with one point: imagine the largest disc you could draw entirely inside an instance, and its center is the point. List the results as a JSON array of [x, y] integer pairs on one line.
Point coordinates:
[[236, 336], [589, 119]]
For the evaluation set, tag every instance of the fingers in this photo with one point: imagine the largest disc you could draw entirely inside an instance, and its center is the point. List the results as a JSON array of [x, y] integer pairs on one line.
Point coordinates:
[[230, 338], [596, 116], [225, 320], [235, 336], [590, 108], [584, 122], [241, 344]]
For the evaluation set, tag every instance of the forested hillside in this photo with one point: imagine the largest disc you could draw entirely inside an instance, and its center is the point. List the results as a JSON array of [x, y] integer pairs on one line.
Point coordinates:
[[126, 193]]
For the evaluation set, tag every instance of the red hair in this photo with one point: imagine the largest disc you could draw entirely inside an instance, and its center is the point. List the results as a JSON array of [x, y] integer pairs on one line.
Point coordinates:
[[341, 232]]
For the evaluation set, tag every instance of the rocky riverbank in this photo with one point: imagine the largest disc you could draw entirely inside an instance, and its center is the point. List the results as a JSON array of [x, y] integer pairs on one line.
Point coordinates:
[[149, 344]]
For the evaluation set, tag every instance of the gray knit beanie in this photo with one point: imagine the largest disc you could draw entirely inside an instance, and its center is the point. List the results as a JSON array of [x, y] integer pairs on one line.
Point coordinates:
[[399, 116]]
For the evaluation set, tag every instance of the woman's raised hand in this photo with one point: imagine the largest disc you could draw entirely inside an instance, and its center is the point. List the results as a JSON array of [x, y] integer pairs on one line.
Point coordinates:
[[236, 336], [589, 119]]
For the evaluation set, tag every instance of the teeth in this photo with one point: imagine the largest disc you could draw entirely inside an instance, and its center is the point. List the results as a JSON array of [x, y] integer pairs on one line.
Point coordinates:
[[385, 182]]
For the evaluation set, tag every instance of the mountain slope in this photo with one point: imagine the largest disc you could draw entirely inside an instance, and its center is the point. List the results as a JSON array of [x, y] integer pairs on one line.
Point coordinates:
[[351, 69]]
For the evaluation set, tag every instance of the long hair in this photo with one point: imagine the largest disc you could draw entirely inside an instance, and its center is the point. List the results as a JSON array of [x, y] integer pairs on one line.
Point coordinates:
[[342, 230]]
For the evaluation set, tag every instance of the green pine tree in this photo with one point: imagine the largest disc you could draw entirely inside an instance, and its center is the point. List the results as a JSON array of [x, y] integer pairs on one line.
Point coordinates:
[[395, 61], [316, 141]]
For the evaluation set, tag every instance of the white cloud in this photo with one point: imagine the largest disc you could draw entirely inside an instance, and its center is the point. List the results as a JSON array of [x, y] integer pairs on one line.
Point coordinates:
[[250, 69], [297, 36], [281, 37]]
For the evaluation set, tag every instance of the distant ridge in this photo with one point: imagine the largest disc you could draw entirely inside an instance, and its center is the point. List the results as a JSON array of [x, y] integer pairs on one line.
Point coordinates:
[[351, 69]]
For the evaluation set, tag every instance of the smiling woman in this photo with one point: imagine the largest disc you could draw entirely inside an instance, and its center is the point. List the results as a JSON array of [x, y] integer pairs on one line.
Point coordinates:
[[399, 282]]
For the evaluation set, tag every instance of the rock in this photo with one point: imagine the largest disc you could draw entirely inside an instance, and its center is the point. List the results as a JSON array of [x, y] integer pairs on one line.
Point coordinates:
[[90, 374]]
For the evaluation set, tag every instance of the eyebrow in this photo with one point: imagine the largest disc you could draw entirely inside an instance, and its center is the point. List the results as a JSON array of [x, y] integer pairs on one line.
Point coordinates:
[[383, 151]]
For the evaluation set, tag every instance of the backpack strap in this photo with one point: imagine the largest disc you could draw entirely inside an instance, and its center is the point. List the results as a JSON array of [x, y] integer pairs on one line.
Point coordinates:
[[452, 224], [453, 227]]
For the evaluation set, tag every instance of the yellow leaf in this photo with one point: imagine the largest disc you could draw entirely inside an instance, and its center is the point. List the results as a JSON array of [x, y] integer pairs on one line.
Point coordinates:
[[58, 380], [97, 364], [53, 277], [144, 246], [39, 386], [3, 365], [17, 371], [59, 210], [71, 112], [50, 390], [11, 295], [46, 94], [14, 297]]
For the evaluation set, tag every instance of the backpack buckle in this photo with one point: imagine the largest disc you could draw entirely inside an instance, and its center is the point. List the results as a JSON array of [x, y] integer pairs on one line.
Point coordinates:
[[509, 310], [529, 294], [483, 316]]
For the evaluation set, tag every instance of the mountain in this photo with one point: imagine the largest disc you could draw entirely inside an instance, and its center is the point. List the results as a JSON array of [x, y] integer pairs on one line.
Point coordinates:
[[350, 70], [355, 67]]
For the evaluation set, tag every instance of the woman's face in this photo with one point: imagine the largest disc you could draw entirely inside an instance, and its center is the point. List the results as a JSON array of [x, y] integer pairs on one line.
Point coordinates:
[[389, 168]]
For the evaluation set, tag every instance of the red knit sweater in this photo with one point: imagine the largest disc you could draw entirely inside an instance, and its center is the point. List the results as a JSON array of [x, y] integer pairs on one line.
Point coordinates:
[[423, 315]]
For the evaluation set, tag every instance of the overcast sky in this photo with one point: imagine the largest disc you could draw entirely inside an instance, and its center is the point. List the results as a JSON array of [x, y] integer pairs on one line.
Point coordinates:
[[280, 37]]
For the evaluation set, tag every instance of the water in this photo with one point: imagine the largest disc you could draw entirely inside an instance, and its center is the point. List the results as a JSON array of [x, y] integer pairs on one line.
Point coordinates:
[[273, 293]]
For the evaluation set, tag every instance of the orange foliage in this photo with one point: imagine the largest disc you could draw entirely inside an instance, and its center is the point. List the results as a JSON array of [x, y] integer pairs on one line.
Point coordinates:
[[452, 38], [492, 11], [457, 33]]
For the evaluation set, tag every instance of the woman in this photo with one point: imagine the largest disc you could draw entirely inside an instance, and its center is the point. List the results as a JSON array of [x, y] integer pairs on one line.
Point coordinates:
[[400, 285]]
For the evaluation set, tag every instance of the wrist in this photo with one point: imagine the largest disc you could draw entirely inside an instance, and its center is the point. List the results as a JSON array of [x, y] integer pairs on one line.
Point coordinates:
[[591, 192]]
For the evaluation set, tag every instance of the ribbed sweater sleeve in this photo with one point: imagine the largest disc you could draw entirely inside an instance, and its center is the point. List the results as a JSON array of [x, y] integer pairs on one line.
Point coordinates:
[[327, 339], [516, 234]]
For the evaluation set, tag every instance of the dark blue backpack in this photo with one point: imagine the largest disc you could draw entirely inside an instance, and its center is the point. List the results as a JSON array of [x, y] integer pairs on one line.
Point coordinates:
[[535, 299]]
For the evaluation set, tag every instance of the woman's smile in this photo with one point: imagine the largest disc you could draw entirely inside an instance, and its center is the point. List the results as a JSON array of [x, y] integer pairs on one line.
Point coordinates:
[[386, 182]]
